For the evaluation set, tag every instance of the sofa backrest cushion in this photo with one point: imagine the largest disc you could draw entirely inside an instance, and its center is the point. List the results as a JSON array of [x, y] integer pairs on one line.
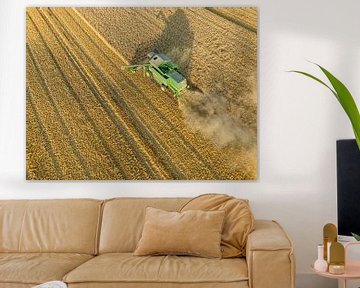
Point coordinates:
[[123, 220], [66, 226], [239, 220]]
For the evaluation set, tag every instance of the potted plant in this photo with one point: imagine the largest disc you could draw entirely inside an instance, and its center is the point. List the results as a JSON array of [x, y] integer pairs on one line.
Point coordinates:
[[345, 99]]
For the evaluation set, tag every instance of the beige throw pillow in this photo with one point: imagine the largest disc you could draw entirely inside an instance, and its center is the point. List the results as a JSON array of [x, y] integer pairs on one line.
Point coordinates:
[[194, 232], [238, 223]]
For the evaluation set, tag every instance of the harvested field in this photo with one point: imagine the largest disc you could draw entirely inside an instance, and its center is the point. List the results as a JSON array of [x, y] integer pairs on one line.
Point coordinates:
[[89, 119]]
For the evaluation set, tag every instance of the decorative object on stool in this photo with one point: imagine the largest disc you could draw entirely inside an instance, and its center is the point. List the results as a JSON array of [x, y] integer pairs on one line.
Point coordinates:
[[329, 236], [337, 258], [320, 264], [340, 266]]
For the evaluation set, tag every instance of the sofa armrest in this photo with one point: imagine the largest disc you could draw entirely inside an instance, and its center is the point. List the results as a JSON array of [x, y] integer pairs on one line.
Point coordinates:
[[269, 255]]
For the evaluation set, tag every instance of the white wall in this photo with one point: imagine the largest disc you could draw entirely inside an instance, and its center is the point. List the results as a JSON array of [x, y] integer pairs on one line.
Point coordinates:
[[299, 121]]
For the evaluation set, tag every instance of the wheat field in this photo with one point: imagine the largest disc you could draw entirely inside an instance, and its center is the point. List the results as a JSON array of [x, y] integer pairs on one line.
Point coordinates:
[[87, 119]]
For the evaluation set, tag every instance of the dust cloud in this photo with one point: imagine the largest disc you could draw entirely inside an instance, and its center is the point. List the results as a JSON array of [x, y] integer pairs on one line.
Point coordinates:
[[209, 114]]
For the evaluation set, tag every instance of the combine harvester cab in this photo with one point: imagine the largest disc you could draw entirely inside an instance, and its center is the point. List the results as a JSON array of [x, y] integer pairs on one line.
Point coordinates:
[[163, 71]]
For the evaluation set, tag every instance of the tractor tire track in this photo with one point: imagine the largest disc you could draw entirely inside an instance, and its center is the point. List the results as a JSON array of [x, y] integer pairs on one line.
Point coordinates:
[[64, 127], [54, 168]]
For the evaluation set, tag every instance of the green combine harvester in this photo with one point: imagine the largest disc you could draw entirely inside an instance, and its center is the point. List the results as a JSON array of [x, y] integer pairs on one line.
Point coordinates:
[[163, 71]]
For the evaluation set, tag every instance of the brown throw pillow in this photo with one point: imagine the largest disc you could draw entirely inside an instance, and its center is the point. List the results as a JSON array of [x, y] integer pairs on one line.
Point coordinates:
[[239, 220], [196, 233]]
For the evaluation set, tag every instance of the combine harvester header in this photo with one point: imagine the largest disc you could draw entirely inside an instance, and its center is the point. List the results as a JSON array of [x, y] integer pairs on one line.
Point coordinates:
[[163, 71]]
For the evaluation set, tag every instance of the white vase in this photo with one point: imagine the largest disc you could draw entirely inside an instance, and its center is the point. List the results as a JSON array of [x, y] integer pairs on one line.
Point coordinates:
[[320, 264]]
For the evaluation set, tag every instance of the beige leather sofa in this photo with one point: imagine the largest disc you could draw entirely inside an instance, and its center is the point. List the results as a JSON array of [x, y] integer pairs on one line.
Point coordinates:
[[89, 243]]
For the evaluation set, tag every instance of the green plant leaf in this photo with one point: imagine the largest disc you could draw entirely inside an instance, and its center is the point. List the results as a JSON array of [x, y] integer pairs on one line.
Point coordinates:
[[316, 79], [346, 100], [344, 97], [357, 237], [357, 137]]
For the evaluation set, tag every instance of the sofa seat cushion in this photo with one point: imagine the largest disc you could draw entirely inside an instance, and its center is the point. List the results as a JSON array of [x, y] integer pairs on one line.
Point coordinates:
[[125, 267], [36, 268]]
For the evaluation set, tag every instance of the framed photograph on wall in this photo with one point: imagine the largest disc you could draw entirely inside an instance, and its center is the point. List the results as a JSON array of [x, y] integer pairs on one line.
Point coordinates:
[[151, 93]]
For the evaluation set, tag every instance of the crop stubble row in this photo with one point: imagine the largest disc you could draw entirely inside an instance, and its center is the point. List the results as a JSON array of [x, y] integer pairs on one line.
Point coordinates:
[[39, 158]]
